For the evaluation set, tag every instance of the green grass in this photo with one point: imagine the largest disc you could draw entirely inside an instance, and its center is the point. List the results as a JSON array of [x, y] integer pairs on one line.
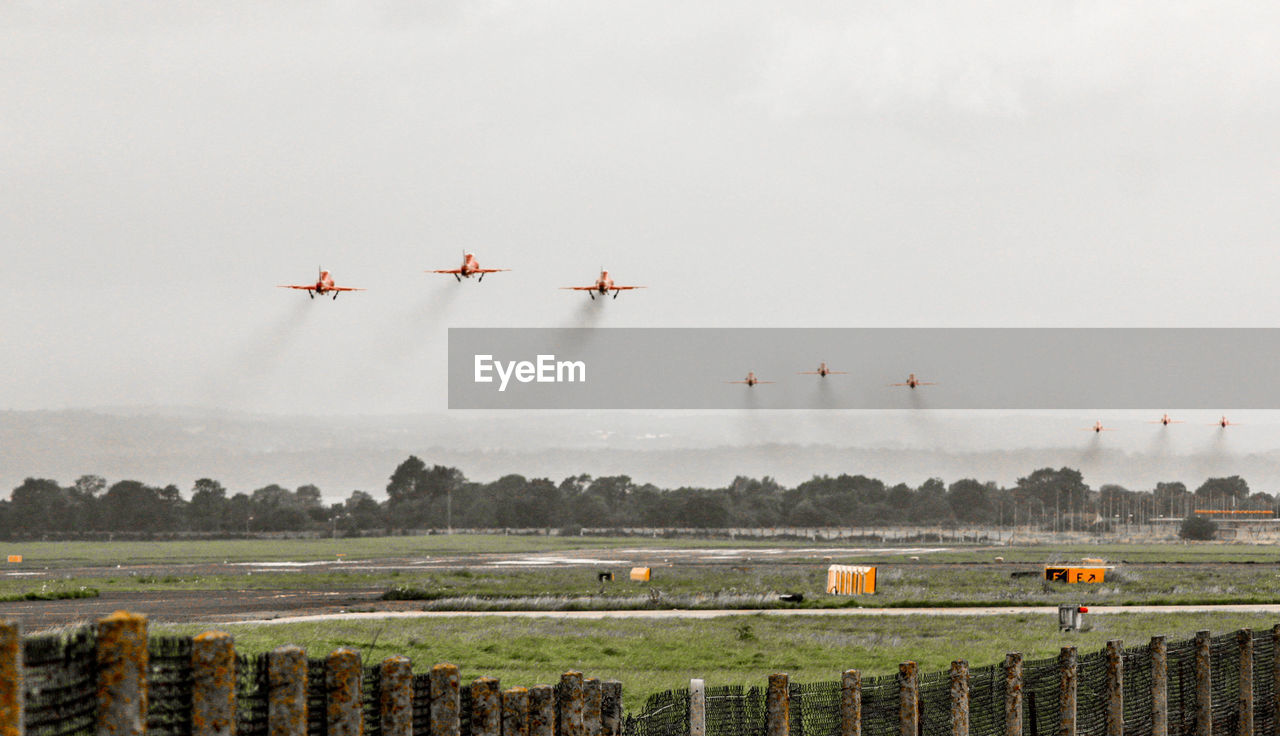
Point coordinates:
[[651, 655]]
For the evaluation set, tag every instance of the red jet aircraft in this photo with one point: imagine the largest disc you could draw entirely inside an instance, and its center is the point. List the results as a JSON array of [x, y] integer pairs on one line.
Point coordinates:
[[602, 286], [1165, 420], [823, 371], [912, 382], [323, 285], [750, 380], [1097, 427], [1224, 423], [469, 266]]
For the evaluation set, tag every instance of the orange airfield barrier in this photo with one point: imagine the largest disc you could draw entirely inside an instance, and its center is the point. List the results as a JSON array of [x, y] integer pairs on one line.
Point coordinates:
[[851, 579]]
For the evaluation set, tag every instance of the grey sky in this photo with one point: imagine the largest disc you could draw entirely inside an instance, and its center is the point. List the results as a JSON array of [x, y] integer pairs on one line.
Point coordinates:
[[165, 165]]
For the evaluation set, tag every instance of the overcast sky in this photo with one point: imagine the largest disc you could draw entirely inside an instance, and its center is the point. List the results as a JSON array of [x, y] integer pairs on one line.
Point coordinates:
[[164, 165]]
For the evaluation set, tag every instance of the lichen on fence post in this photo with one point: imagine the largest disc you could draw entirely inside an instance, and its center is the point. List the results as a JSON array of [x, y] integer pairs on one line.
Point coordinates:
[[395, 696], [1244, 704], [287, 692], [213, 684], [1159, 686], [959, 698], [121, 655], [611, 707], [697, 708], [515, 712], [571, 705], [445, 707], [1115, 689], [851, 703], [1068, 687], [11, 723], [343, 712], [486, 707], [908, 699], [777, 714], [542, 710], [1275, 677], [591, 717], [1204, 686], [1013, 694]]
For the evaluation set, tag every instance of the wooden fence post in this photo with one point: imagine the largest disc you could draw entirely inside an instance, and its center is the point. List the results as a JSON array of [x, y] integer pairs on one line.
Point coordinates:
[[570, 706], [908, 700], [11, 697], [778, 706], [611, 707], [697, 708], [542, 710], [1115, 689], [960, 698], [287, 692], [122, 675], [1204, 686], [1013, 694], [1068, 679], [591, 709], [446, 708], [851, 703], [1159, 686], [486, 707], [343, 711], [395, 696], [213, 684], [1244, 704], [515, 712]]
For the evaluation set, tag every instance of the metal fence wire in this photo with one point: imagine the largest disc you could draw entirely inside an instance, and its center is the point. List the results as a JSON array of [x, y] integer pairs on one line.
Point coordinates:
[[169, 681], [59, 684], [1224, 661], [879, 706], [1264, 692]]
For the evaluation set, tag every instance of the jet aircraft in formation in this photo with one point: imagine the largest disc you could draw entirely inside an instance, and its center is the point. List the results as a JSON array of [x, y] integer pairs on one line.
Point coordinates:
[[912, 382], [603, 285], [750, 380], [1165, 420], [469, 267], [823, 371], [323, 285]]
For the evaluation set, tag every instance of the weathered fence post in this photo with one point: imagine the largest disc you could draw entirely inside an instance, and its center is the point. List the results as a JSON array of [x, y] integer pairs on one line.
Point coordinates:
[[908, 700], [395, 696], [851, 703], [122, 675], [1068, 676], [1013, 694], [213, 684], [1244, 705], [697, 708], [1204, 686], [571, 705], [343, 714], [611, 707], [445, 697], [960, 698], [542, 710], [1275, 676], [515, 712], [287, 692], [486, 707], [778, 706], [1115, 689], [1159, 686], [11, 679], [591, 715]]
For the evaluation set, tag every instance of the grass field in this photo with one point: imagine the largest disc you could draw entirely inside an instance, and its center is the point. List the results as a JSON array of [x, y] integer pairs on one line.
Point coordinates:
[[654, 655]]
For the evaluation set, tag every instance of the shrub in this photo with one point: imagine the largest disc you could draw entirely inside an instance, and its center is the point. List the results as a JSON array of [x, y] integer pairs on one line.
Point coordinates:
[[1197, 527]]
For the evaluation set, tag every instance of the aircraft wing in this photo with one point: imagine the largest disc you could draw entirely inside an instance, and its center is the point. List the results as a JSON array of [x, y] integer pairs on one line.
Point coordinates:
[[446, 270], [308, 287], [488, 270], [626, 288], [344, 288], [580, 288]]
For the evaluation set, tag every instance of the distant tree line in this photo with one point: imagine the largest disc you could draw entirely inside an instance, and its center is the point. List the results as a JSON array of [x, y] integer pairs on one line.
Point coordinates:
[[435, 497]]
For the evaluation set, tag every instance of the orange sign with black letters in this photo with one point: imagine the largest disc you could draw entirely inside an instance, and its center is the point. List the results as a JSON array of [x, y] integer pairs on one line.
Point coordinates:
[[1075, 574]]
